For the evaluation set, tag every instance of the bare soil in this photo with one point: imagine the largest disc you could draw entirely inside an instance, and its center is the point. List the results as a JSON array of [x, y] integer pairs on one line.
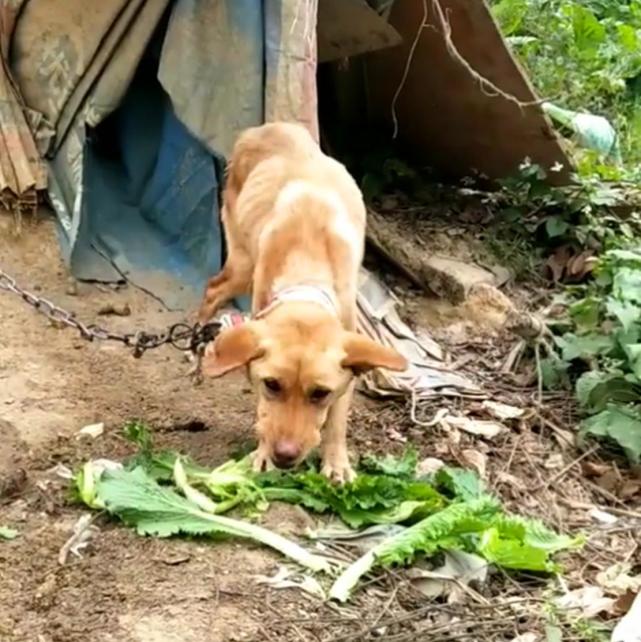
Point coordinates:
[[130, 589]]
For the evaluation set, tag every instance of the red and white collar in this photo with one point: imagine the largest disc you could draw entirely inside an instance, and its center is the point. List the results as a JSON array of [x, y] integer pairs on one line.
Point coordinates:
[[302, 293]]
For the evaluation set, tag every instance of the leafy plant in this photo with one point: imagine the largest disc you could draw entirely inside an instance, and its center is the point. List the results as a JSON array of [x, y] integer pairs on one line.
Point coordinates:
[[604, 348], [586, 56]]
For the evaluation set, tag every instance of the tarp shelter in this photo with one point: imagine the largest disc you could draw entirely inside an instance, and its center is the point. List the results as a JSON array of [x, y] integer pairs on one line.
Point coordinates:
[[125, 110]]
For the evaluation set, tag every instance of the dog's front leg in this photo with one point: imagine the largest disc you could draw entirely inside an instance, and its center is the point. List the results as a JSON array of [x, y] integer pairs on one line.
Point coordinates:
[[334, 445]]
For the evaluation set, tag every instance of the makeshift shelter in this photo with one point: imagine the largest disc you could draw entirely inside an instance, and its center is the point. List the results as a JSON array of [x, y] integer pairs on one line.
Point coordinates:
[[125, 111]]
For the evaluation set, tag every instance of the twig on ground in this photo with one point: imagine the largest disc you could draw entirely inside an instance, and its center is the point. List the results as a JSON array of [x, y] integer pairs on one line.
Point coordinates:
[[621, 512], [565, 470], [82, 531]]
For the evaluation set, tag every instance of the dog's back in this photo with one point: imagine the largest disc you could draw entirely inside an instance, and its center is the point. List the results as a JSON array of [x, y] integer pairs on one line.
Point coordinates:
[[277, 160]]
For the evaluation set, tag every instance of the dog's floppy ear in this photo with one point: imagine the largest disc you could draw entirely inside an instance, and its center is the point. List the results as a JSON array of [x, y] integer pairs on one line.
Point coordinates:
[[363, 354], [232, 349]]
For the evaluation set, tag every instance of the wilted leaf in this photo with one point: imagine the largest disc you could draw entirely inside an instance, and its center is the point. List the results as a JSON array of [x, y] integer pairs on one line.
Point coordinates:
[[285, 578], [603, 516], [459, 568]]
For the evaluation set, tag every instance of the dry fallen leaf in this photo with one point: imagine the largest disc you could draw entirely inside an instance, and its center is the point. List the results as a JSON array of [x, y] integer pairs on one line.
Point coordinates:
[[458, 570], [527, 637], [395, 435], [587, 602], [630, 488], [429, 466], [286, 578], [602, 516], [558, 261], [510, 480], [616, 579], [502, 411], [594, 469], [609, 480], [629, 628], [478, 427], [476, 460], [92, 430], [579, 266], [555, 460]]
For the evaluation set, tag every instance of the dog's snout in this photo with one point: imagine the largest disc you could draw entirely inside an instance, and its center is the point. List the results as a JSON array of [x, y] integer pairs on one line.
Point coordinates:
[[286, 453]]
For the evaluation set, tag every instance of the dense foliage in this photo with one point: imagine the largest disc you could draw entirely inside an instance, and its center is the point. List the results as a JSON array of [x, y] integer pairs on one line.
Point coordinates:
[[583, 55]]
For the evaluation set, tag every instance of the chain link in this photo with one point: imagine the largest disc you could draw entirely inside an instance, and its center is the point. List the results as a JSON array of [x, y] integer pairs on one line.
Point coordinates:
[[181, 336]]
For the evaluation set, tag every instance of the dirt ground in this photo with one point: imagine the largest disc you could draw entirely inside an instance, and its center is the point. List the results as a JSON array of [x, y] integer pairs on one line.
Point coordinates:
[[129, 589]]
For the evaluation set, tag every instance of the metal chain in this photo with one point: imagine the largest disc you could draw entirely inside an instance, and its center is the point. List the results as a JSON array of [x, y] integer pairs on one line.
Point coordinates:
[[181, 336]]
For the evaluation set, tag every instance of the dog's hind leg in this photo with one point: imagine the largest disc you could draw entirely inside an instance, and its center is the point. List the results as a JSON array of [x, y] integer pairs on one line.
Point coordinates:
[[233, 280]]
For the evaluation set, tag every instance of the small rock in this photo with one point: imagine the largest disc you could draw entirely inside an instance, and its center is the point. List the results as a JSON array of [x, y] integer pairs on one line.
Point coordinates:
[[122, 310], [72, 287]]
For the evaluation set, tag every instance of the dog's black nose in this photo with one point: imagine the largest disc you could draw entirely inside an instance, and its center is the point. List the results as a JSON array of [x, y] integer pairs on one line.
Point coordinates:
[[286, 453]]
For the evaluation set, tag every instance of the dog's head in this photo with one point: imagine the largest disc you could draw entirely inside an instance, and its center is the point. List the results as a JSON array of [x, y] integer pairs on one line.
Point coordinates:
[[298, 367]]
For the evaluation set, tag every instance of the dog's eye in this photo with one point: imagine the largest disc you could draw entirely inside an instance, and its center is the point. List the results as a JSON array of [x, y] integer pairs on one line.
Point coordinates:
[[318, 394], [272, 385]]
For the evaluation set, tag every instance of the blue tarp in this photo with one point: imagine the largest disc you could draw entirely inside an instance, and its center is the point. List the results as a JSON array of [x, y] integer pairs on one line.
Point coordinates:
[[138, 102]]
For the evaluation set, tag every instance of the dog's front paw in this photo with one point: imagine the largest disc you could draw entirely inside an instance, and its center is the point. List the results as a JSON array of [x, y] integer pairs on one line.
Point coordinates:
[[262, 462], [337, 469]]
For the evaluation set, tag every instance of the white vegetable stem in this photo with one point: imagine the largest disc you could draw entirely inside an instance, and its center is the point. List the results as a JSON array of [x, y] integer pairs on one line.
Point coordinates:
[[244, 529], [343, 586]]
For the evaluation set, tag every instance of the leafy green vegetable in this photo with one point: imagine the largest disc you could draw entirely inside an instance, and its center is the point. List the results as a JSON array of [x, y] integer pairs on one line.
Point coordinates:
[[533, 532], [477, 525], [404, 466], [450, 511], [369, 499], [459, 483], [8, 533], [139, 501], [512, 553], [443, 530]]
